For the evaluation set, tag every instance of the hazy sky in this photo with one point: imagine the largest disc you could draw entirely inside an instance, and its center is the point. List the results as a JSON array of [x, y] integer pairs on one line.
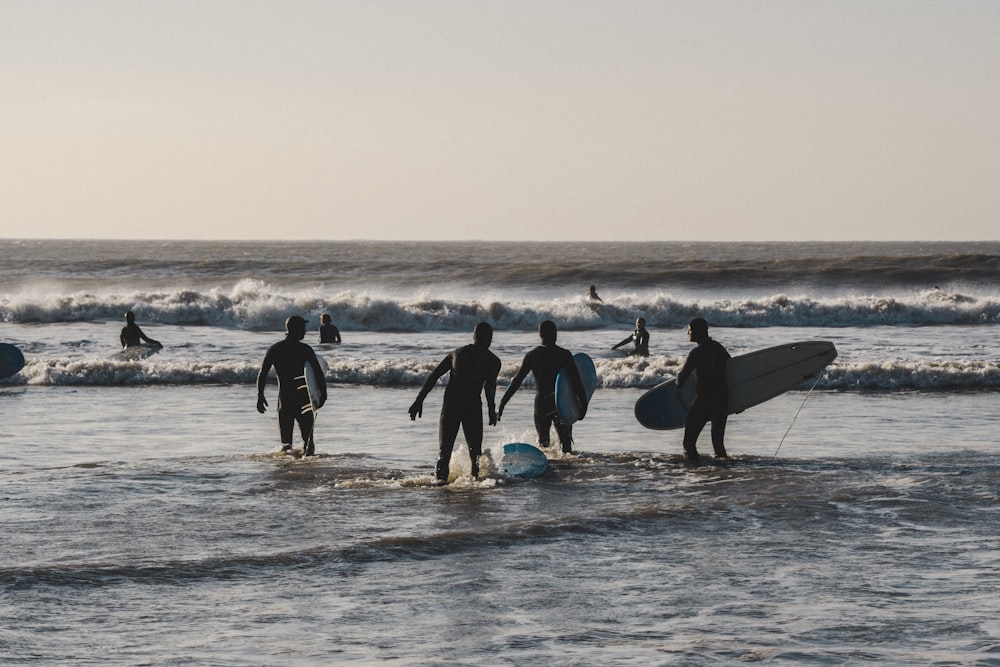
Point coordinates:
[[501, 120]]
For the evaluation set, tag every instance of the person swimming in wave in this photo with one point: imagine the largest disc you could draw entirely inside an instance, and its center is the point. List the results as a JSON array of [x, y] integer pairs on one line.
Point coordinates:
[[544, 363], [640, 337], [328, 333], [592, 294], [473, 371], [711, 404], [289, 357], [132, 335]]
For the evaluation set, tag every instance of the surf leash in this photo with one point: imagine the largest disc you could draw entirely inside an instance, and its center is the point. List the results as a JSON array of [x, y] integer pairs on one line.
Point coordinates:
[[808, 394]]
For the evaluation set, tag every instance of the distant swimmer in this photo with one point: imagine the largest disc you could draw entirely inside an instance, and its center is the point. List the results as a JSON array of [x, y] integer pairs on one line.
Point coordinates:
[[592, 295], [328, 333], [289, 358], [711, 404], [473, 371], [133, 335], [544, 363], [640, 337]]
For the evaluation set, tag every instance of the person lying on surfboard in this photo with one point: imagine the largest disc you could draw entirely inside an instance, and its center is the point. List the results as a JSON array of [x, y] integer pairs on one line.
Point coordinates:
[[711, 403], [132, 335], [640, 337], [473, 371], [289, 358], [545, 362]]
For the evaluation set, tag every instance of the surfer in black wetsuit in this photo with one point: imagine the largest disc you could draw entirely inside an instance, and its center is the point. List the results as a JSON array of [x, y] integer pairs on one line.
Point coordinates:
[[545, 362], [640, 337], [132, 335], [289, 358], [473, 371], [711, 404], [328, 333], [592, 294]]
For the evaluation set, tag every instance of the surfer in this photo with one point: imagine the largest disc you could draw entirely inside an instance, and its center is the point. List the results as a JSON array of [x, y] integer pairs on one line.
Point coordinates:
[[328, 333], [711, 403], [289, 358], [473, 370], [592, 295], [545, 362], [640, 337], [132, 334]]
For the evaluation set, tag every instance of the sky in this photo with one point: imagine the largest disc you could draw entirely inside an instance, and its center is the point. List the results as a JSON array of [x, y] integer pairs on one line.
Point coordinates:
[[505, 120]]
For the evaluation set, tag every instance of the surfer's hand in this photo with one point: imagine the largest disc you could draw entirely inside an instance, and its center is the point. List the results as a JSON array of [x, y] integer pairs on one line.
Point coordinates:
[[499, 412], [261, 404], [417, 409], [494, 417]]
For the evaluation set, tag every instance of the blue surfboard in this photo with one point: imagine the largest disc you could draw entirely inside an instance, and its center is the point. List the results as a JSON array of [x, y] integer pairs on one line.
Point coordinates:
[[522, 460], [567, 407], [11, 360]]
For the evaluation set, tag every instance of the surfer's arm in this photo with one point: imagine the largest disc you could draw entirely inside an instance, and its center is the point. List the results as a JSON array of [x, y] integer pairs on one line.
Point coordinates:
[[417, 409], [514, 385], [265, 368], [490, 389], [624, 342]]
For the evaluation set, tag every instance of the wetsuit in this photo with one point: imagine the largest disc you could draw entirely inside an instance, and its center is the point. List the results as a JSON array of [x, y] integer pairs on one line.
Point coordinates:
[[473, 369], [545, 362], [711, 403], [132, 335], [289, 357], [329, 334]]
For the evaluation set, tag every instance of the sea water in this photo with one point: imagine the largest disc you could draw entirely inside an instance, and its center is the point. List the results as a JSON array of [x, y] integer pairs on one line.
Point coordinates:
[[147, 517]]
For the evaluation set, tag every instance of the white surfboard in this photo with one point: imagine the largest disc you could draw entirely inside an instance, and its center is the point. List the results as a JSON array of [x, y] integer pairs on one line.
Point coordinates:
[[135, 352], [312, 387], [753, 378]]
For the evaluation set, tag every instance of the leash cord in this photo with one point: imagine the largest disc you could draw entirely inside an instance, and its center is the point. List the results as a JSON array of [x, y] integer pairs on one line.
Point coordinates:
[[808, 394]]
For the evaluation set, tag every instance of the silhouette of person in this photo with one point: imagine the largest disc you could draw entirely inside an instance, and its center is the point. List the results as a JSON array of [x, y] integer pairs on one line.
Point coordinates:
[[640, 337], [132, 335], [711, 404], [328, 333], [289, 357], [473, 370], [544, 363], [592, 295]]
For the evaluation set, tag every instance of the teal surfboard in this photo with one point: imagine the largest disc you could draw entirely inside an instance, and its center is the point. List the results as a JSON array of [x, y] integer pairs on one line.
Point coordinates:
[[522, 460], [11, 360], [567, 406]]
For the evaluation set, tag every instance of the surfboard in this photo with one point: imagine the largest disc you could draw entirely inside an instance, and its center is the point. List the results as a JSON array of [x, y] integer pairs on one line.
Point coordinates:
[[522, 460], [11, 360], [753, 378], [312, 387], [567, 407], [134, 352]]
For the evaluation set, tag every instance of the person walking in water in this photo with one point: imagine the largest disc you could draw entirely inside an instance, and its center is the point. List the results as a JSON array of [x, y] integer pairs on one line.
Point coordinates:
[[711, 404], [544, 363], [473, 371], [289, 358], [640, 337], [132, 335], [328, 333]]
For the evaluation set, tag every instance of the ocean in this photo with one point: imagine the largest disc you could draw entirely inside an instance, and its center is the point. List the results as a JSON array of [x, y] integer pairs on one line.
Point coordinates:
[[148, 518]]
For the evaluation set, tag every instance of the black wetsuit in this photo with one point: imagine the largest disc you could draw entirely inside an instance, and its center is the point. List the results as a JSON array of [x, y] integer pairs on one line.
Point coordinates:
[[545, 362], [641, 339], [289, 358], [711, 403], [329, 334], [473, 369], [132, 335]]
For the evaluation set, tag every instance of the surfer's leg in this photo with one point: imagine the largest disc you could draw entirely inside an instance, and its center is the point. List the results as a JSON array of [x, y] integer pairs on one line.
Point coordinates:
[[719, 435], [565, 433], [544, 411], [472, 427], [286, 424], [447, 432], [307, 422], [693, 426]]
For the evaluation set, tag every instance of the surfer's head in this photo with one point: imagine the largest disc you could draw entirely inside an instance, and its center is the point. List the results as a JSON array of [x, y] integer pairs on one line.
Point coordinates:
[[482, 334], [324, 318], [547, 331], [698, 329], [129, 317], [295, 327], [640, 323]]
